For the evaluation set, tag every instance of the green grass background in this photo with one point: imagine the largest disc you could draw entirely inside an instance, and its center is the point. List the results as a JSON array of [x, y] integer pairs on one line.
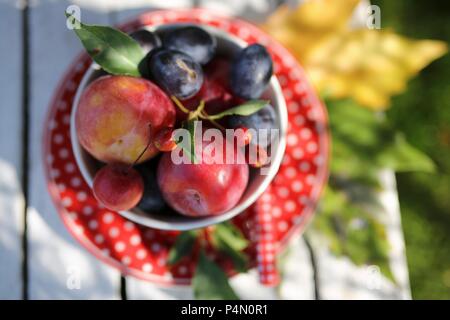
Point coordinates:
[[423, 114]]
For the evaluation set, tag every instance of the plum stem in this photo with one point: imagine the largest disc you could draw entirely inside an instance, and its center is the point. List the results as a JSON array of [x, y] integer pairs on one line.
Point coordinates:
[[179, 104]]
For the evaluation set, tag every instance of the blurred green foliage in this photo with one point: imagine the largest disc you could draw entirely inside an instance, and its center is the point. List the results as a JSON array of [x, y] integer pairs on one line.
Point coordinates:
[[423, 114]]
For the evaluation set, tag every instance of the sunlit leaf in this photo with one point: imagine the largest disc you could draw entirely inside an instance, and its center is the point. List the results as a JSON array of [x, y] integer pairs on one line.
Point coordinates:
[[369, 66]]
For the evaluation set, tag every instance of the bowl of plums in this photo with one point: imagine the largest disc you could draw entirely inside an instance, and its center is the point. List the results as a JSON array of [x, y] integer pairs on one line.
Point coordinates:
[[189, 137]]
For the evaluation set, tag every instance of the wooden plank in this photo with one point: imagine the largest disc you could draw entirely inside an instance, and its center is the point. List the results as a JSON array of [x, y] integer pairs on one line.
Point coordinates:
[[54, 256], [339, 278], [11, 198]]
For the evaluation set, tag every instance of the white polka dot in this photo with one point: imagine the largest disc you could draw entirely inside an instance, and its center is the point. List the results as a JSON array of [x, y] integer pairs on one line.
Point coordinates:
[[161, 262], [287, 93], [290, 172], [311, 147], [304, 200], [269, 268], [297, 220], [114, 232], [105, 252], [141, 254], [69, 167], [290, 206], [297, 153], [300, 88], [81, 196], [266, 197], [276, 211], [310, 179], [269, 257], [283, 192], [282, 79], [305, 101], [269, 246], [58, 138], [87, 210], [293, 107], [297, 186], [156, 247], [135, 240], [299, 120], [99, 239], [304, 166], [52, 125], [93, 224], [282, 226], [75, 182], [312, 114], [292, 139], [108, 218], [265, 207], [149, 234], [305, 133], [294, 74], [61, 187], [119, 246], [147, 267], [129, 226], [66, 202], [267, 217], [286, 159], [318, 160], [267, 227], [126, 260]]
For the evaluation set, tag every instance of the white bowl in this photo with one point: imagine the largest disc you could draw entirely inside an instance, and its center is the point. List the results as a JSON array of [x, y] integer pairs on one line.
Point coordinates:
[[227, 45]]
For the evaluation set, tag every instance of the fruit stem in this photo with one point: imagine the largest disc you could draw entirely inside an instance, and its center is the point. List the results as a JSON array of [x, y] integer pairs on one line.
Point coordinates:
[[146, 147], [179, 104], [198, 111]]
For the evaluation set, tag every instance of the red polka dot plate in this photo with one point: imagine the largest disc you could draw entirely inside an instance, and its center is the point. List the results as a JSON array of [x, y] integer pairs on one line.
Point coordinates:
[[283, 210]]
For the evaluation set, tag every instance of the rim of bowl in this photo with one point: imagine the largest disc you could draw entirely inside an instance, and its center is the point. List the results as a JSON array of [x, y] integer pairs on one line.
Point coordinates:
[[200, 222]]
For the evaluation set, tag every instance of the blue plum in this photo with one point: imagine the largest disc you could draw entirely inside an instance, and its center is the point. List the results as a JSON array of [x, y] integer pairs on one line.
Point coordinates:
[[251, 71], [146, 39], [176, 72], [193, 41]]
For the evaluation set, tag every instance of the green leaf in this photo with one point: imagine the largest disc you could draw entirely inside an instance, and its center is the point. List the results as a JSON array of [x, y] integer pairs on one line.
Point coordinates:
[[210, 282], [229, 240], [364, 142], [182, 247], [190, 126], [401, 156], [115, 51], [244, 109]]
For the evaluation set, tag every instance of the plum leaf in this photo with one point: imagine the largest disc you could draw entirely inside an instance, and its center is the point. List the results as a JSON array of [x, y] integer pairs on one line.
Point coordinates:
[[182, 247], [115, 51], [244, 109], [210, 282]]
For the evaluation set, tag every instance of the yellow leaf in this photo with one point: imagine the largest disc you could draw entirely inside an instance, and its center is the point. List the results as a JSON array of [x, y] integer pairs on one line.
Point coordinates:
[[369, 66]]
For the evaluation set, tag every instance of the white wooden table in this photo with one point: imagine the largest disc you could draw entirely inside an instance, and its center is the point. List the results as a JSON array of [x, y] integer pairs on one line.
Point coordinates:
[[38, 257]]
